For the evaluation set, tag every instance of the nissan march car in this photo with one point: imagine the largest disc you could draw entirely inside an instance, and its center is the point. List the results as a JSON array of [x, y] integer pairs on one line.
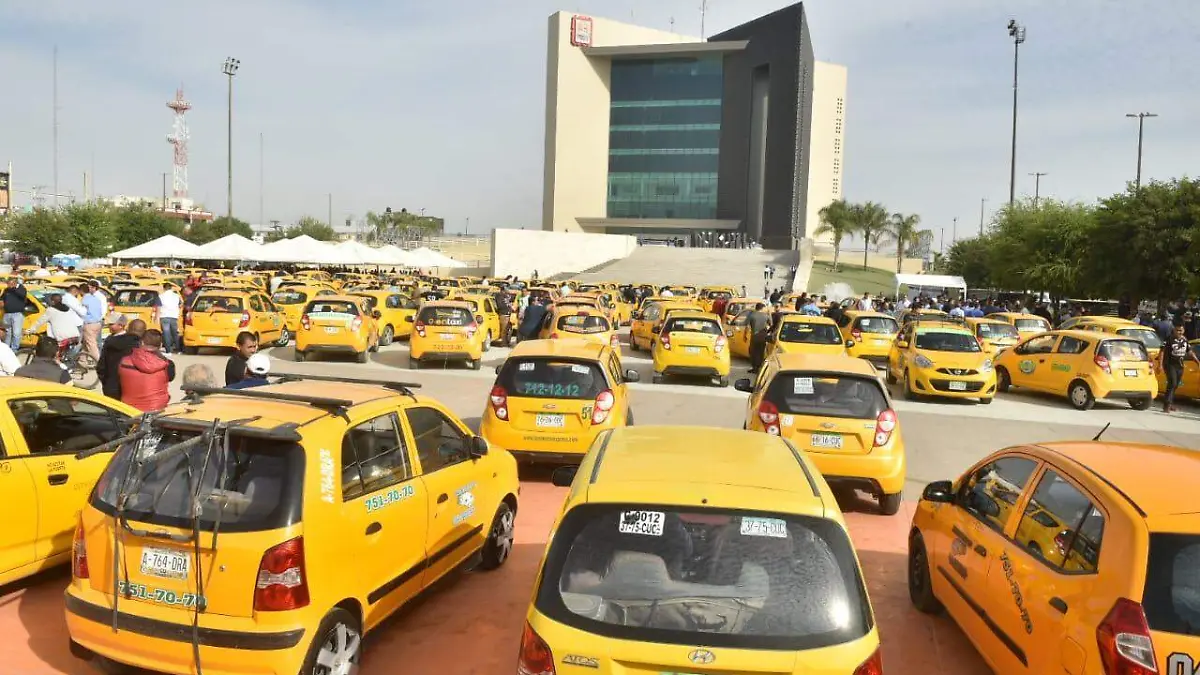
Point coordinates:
[[698, 550], [941, 358], [1081, 366]]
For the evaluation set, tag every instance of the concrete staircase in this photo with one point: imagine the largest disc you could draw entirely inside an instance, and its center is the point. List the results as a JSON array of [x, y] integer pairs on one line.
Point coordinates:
[[699, 267]]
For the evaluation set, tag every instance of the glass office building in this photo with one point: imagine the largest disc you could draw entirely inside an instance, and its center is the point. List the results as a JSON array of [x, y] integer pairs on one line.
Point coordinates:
[[664, 136]]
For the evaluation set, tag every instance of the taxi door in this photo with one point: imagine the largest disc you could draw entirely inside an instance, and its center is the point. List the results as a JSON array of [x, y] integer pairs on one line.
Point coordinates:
[[739, 335], [1066, 363], [898, 355], [491, 318], [1034, 364], [458, 487], [18, 537], [643, 328]]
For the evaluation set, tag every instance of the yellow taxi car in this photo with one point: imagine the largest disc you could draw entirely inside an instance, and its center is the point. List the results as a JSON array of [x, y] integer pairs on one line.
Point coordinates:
[[579, 323], [1026, 324], [647, 321], [996, 335], [337, 324], [801, 334], [217, 316], [710, 294], [1115, 326], [736, 306], [292, 299], [1066, 558], [396, 312], [834, 408], [691, 343], [696, 549], [242, 567], [42, 484], [446, 330], [552, 397], [486, 316], [923, 314], [942, 359], [872, 334], [1081, 365], [680, 291], [35, 304], [138, 303], [738, 335]]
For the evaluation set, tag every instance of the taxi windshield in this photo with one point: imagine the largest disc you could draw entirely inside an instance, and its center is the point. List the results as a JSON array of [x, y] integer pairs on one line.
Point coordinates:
[[827, 395], [450, 317], [997, 331], [1032, 324], [706, 326], [877, 325], [1146, 336], [583, 323], [217, 303], [684, 575], [332, 307], [136, 298], [1124, 350], [810, 333], [1172, 597], [946, 341], [289, 297], [552, 378]]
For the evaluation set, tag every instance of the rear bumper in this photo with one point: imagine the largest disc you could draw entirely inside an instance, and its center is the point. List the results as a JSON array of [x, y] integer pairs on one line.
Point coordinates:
[[876, 471], [447, 355], [198, 339], [1130, 394], [330, 349], [540, 446]]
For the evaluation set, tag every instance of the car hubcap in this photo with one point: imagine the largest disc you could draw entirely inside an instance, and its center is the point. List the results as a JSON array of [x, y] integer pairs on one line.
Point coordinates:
[[339, 654], [503, 535], [387, 334], [1079, 396]]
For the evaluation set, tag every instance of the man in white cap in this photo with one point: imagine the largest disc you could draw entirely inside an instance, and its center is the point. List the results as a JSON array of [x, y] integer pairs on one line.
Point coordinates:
[[258, 366]]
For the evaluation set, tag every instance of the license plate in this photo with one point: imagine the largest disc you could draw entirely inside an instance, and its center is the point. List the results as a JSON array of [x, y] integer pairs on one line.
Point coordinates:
[[214, 341], [692, 350], [1131, 372], [158, 562], [826, 441], [550, 421], [331, 329], [446, 336], [958, 386], [881, 342]]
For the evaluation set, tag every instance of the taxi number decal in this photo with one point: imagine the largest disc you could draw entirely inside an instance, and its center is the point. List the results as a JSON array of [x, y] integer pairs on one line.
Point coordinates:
[[56, 466], [376, 502], [1015, 589], [1062, 368], [764, 527], [648, 523], [466, 499], [802, 385], [142, 592], [327, 471], [1182, 664], [5, 467]]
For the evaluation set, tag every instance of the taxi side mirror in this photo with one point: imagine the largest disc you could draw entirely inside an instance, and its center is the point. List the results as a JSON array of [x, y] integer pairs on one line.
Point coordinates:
[[479, 447], [745, 385], [409, 319], [632, 375], [901, 343], [939, 492], [563, 476], [377, 314], [849, 344], [499, 368]]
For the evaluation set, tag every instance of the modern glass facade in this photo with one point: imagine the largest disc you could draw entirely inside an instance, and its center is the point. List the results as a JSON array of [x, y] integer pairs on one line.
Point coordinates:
[[664, 135]]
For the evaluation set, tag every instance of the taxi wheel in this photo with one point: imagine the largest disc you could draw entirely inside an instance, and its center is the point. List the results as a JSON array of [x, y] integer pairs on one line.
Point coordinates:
[[191, 351], [909, 394], [723, 381], [300, 356], [362, 356], [109, 667], [889, 504], [487, 342], [1081, 395], [500, 539], [1140, 403], [284, 338], [337, 646], [414, 364], [920, 586], [389, 335], [476, 363], [1003, 381], [891, 379]]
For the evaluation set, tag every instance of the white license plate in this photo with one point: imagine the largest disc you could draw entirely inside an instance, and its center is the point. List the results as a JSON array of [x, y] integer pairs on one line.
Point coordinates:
[[158, 562], [214, 341], [550, 421], [958, 386], [331, 329], [1131, 372], [881, 342], [692, 350], [826, 441], [446, 336]]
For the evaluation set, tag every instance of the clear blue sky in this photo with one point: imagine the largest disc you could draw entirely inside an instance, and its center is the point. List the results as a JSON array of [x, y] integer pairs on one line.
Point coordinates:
[[439, 105]]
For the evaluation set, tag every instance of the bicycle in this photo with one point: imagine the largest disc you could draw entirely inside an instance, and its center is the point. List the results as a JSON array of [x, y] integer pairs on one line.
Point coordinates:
[[74, 360]]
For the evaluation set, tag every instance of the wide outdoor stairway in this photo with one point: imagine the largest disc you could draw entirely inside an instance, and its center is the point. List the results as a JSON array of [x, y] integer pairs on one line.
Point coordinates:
[[695, 267]]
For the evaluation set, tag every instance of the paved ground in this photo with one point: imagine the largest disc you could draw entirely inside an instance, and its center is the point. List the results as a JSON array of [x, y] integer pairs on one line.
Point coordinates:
[[485, 611]]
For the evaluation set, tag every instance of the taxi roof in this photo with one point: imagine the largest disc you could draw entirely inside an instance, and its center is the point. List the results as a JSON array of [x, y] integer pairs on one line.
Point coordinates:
[[573, 349], [690, 313], [1087, 335], [341, 296], [943, 326], [799, 317], [975, 320], [448, 303], [1018, 315], [226, 290], [833, 363], [1111, 461], [867, 312], [1104, 319]]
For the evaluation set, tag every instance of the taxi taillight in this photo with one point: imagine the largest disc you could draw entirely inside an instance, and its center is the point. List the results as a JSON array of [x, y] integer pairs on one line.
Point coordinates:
[[471, 329], [79, 561], [499, 401], [604, 405], [281, 583], [872, 666], [768, 413], [1124, 640], [1102, 361], [720, 344], [356, 323], [187, 317], [614, 341], [666, 340], [420, 328], [306, 321], [535, 657], [554, 336], [245, 320], [885, 424]]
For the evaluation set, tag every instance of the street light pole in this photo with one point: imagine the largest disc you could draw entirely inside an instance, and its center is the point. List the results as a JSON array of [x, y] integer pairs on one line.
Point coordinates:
[[982, 203], [230, 69], [954, 232], [330, 203], [1017, 32], [1037, 186], [1141, 118]]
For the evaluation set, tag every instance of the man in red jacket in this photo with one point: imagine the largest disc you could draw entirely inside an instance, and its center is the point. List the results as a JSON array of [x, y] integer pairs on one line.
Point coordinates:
[[146, 374]]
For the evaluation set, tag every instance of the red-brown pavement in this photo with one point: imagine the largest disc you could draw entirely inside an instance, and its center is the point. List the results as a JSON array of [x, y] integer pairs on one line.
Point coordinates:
[[471, 626]]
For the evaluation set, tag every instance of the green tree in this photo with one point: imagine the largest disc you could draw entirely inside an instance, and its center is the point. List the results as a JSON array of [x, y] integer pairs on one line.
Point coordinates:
[[838, 222], [90, 229], [870, 220], [402, 225], [41, 232], [317, 229], [902, 230], [970, 259], [202, 233], [138, 223], [1040, 248]]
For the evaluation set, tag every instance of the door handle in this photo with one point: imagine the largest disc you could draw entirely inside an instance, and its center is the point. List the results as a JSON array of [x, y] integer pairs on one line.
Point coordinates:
[[443, 498], [374, 528], [57, 479], [980, 550], [1059, 604]]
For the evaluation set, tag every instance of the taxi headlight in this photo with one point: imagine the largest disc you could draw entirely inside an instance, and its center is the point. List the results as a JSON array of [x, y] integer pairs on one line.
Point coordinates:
[[923, 361], [987, 365]]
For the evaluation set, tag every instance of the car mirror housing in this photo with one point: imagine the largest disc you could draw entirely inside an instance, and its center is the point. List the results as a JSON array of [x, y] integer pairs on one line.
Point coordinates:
[[744, 384], [479, 447], [563, 476], [632, 375], [409, 319], [849, 344], [939, 492]]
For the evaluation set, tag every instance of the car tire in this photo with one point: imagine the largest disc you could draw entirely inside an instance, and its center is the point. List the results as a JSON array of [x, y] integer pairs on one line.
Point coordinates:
[[476, 363], [657, 378], [986, 401], [909, 394], [487, 342], [414, 364], [723, 381], [1080, 395], [340, 633], [109, 667], [920, 584], [629, 417], [388, 337], [1140, 403], [191, 351], [499, 544], [889, 504], [1003, 381], [284, 338], [299, 357], [362, 356], [891, 379]]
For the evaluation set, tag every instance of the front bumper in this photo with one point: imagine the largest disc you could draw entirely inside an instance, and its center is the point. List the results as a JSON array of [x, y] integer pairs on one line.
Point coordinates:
[[932, 383]]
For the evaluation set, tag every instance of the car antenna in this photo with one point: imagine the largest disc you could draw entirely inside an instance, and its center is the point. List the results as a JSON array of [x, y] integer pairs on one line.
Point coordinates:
[[1097, 436]]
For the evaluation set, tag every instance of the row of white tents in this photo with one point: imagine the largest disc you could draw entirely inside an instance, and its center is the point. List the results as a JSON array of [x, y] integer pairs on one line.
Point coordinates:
[[301, 250]]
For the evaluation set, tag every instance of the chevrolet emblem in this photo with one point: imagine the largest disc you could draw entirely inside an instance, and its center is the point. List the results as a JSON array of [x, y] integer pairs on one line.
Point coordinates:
[[549, 406], [828, 425]]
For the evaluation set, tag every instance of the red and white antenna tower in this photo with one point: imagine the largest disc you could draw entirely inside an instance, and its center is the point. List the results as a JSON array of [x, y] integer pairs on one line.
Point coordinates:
[[179, 139]]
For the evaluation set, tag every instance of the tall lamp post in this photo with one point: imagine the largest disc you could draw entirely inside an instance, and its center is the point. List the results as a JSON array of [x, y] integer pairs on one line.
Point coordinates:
[[982, 204], [230, 69], [1141, 118], [1037, 186], [1017, 32]]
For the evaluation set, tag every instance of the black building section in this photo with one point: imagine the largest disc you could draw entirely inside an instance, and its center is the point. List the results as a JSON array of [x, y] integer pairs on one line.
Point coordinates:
[[766, 121]]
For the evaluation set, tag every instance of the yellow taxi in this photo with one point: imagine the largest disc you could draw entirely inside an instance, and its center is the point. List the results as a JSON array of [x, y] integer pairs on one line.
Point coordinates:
[[834, 408], [396, 312], [872, 334], [710, 294], [42, 484], [696, 549], [647, 321], [738, 305], [942, 359], [923, 314], [581, 323], [35, 304], [581, 301], [1114, 326], [1081, 365], [1072, 322], [552, 397], [682, 291], [138, 303], [801, 334], [738, 335], [446, 330], [291, 299], [691, 343], [218, 316], [1066, 558], [1027, 324], [337, 324], [274, 544], [996, 335], [486, 316]]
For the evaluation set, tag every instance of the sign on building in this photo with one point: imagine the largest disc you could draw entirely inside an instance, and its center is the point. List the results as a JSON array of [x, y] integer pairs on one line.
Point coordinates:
[[581, 31], [5, 190]]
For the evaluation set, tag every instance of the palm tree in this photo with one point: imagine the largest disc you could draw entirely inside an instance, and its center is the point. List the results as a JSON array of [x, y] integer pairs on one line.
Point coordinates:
[[838, 222], [902, 230], [870, 219]]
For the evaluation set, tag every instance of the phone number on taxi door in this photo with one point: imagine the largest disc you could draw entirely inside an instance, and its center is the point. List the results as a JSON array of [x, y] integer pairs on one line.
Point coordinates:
[[158, 595], [388, 498]]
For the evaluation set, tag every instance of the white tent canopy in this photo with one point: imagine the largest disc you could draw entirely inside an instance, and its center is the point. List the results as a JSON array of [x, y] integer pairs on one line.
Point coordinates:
[[302, 249], [930, 281], [230, 247], [427, 257], [361, 254], [399, 256], [165, 247]]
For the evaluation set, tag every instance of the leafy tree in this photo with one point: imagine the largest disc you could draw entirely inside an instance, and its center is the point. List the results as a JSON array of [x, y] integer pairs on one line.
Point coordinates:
[[90, 229], [402, 225], [41, 232], [838, 222], [1040, 247], [202, 233], [969, 259], [138, 223], [870, 220], [319, 230], [902, 230]]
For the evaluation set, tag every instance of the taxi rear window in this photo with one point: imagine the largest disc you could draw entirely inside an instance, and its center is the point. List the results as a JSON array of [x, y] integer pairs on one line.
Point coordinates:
[[332, 307], [686, 576], [370, 300], [583, 323], [1172, 597], [138, 298], [451, 317], [706, 326], [877, 325], [1124, 350], [217, 303], [289, 297], [551, 378], [1146, 336], [256, 486], [1031, 324], [993, 331], [827, 395], [810, 333]]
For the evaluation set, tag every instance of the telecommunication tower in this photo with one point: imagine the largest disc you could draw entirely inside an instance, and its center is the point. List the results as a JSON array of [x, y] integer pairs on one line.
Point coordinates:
[[179, 139]]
